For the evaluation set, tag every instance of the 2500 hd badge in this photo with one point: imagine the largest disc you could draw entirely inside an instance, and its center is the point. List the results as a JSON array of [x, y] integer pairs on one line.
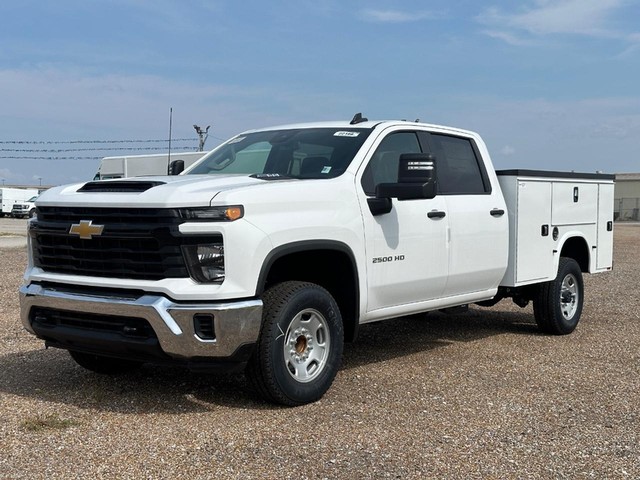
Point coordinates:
[[395, 258]]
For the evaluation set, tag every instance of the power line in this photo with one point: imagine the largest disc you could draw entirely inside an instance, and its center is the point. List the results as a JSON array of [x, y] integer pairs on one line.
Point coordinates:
[[130, 149], [50, 158], [42, 142]]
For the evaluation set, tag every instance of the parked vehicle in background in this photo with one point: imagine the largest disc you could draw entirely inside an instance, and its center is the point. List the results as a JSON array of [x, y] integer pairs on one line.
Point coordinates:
[[269, 252], [140, 165], [24, 209], [10, 196]]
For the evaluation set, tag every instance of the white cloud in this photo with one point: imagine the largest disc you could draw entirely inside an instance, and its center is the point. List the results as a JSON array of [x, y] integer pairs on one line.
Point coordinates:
[[545, 17], [140, 103], [582, 135], [395, 16], [510, 38]]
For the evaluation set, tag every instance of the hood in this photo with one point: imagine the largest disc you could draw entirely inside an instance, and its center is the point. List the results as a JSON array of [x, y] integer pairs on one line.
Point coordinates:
[[168, 191]]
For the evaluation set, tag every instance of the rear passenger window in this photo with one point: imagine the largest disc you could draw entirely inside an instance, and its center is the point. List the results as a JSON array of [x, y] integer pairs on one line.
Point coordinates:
[[459, 171]]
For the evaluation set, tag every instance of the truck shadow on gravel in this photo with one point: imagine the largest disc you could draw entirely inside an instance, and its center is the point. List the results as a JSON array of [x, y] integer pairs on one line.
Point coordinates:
[[52, 376], [400, 337]]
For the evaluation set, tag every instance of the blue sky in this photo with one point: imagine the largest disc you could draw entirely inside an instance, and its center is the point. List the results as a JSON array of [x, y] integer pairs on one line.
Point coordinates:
[[548, 84]]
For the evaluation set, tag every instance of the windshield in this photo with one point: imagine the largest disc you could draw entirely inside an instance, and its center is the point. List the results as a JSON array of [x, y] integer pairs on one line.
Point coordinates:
[[33, 199], [300, 153]]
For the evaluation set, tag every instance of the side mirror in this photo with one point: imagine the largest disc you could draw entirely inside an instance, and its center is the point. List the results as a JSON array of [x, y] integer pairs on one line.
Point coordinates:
[[176, 167], [416, 178]]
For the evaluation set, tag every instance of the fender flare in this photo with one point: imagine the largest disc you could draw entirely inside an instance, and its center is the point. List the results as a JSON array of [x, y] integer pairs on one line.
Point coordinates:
[[305, 246]]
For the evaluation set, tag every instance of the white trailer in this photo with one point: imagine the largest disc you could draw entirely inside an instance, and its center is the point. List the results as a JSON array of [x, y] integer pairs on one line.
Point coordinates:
[[139, 165], [9, 196]]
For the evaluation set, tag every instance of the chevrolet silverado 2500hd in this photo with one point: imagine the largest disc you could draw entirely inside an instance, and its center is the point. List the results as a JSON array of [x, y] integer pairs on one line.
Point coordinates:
[[270, 251]]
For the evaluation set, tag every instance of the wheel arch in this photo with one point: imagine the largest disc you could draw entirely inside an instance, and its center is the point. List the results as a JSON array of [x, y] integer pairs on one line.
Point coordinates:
[[328, 263], [576, 246]]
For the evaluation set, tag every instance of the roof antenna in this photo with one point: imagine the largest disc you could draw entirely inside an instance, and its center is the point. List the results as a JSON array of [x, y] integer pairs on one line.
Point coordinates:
[[357, 118]]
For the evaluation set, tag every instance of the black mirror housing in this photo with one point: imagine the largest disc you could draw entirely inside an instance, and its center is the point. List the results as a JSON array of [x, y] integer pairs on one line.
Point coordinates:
[[416, 178], [176, 167]]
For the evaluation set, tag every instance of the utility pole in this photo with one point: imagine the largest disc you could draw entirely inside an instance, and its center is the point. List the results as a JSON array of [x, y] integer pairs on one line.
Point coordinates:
[[202, 134]]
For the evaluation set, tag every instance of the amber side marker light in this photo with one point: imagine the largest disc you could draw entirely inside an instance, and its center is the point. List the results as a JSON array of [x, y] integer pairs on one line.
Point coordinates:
[[220, 214], [234, 213]]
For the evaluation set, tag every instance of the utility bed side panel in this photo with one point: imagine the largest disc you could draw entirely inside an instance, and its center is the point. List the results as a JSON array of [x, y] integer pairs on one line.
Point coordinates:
[[605, 227], [574, 203], [548, 208]]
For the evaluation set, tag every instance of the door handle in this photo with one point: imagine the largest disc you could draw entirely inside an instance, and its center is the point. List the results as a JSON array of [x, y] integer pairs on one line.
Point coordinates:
[[436, 214], [497, 212]]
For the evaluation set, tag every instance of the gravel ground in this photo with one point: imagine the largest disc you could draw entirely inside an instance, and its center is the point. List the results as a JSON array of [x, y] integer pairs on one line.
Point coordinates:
[[479, 395]]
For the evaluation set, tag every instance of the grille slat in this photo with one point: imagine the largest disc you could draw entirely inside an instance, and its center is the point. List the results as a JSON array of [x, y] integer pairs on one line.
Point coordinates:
[[142, 244], [128, 326]]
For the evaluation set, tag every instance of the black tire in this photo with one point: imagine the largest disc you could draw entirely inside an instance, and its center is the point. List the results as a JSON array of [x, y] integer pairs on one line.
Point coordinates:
[[32, 213], [305, 318], [557, 305], [104, 365]]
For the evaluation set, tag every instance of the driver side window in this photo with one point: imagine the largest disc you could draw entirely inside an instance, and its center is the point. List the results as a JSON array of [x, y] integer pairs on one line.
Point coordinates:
[[383, 166]]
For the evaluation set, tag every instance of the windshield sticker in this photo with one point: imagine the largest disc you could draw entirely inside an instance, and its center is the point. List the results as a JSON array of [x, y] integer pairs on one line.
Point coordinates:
[[326, 170], [236, 140], [346, 134]]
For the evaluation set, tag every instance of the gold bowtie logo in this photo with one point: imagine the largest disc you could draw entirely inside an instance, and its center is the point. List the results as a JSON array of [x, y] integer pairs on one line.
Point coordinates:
[[86, 230]]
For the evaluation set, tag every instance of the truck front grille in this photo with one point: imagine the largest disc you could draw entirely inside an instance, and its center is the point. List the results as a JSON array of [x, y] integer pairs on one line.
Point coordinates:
[[135, 243]]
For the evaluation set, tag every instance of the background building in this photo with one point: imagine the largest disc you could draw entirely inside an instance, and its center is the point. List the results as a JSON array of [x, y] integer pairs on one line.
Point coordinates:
[[626, 205]]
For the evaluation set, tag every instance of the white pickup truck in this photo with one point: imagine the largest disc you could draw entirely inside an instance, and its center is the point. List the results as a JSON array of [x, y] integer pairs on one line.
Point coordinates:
[[270, 252]]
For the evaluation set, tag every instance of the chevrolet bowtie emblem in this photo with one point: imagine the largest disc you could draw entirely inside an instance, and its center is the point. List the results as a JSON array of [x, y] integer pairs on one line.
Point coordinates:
[[86, 230]]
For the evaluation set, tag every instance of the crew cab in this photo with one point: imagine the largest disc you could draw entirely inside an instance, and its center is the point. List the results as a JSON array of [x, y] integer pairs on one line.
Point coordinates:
[[271, 251]]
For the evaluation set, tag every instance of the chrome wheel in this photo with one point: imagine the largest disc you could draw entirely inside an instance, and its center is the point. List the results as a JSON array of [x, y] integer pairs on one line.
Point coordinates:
[[306, 345], [569, 296]]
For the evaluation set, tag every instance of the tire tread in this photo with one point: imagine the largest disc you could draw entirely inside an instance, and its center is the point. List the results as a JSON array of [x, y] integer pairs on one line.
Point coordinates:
[[260, 370]]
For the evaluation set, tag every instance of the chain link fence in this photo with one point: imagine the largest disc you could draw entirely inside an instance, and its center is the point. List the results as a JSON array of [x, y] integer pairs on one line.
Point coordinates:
[[626, 209]]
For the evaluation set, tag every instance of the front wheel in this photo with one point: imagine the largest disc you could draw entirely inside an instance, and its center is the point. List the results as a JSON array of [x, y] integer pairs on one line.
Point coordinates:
[[557, 305], [105, 365], [300, 346]]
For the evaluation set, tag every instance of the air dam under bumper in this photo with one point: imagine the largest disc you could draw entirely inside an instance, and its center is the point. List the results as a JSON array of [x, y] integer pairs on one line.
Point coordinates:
[[236, 324]]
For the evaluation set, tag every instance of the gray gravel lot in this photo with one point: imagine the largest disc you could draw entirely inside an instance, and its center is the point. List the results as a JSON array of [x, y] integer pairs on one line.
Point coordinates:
[[479, 395]]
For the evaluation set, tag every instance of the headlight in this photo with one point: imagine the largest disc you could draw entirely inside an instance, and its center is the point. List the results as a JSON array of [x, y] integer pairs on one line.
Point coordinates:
[[205, 262], [215, 214]]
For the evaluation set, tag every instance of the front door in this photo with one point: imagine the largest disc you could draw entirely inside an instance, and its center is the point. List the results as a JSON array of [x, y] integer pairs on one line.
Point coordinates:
[[407, 255]]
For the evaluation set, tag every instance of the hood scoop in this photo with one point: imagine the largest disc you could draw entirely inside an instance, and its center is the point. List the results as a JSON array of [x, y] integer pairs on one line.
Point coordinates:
[[120, 187]]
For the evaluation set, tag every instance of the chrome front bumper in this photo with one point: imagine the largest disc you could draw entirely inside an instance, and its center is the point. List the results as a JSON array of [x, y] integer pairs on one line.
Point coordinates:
[[236, 323]]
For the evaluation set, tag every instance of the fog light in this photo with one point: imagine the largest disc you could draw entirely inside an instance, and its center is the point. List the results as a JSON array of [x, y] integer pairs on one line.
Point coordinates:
[[203, 326]]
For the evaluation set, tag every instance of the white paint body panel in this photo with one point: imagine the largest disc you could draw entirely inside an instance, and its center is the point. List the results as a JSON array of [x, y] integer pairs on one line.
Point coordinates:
[[459, 259], [575, 207]]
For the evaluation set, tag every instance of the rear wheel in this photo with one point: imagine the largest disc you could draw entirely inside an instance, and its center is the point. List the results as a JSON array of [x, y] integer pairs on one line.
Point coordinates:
[[300, 345], [105, 365], [557, 305]]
